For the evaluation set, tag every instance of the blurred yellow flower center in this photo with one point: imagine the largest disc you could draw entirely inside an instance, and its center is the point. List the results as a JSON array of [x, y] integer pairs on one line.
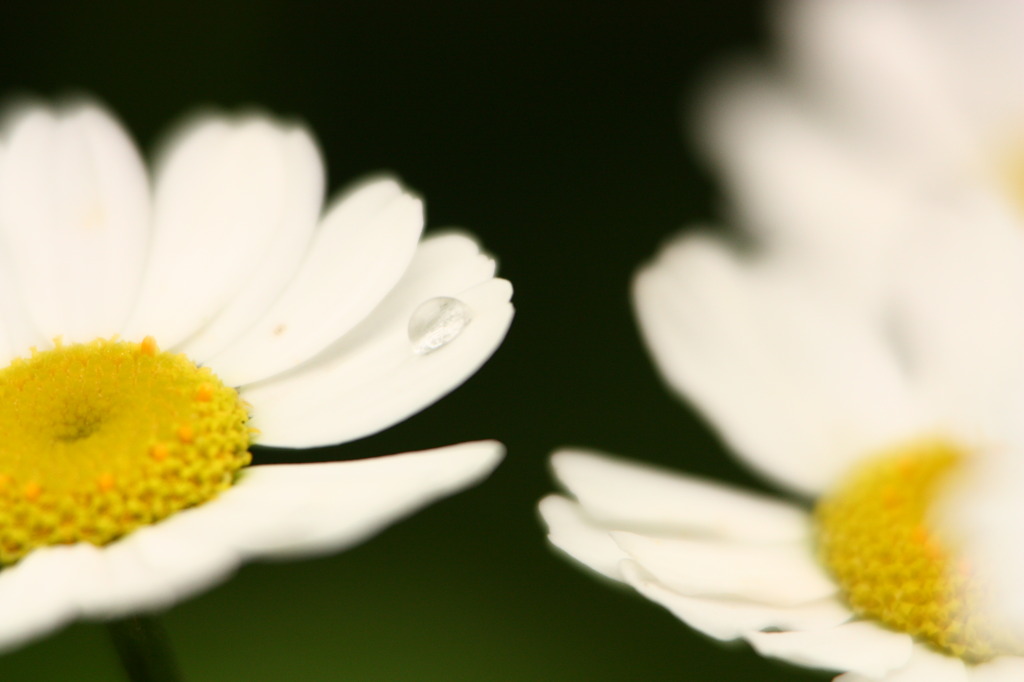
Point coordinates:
[[98, 439], [874, 536]]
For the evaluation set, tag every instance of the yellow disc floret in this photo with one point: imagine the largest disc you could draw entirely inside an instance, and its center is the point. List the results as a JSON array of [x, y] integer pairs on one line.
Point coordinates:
[[98, 439], [875, 536]]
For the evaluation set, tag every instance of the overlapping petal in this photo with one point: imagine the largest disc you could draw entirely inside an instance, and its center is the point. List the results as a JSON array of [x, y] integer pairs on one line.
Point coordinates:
[[74, 220], [273, 512], [232, 263]]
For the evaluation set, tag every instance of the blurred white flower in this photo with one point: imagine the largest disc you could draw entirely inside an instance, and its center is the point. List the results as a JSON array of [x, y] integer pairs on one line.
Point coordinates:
[[123, 478], [896, 420], [876, 115], [867, 352]]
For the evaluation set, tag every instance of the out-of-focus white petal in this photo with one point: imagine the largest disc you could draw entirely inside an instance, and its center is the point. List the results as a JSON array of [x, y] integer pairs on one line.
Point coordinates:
[[778, 575], [729, 619], [1006, 669], [798, 386], [929, 666], [983, 46], [571, 531], [959, 313], [869, 66], [630, 496], [361, 250], [229, 194], [982, 513], [373, 377], [862, 647], [74, 219], [803, 191], [303, 509], [925, 665]]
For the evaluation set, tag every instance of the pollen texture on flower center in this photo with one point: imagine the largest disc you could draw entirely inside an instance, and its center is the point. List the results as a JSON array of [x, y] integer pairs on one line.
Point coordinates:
[[874, 536], [98, 439]]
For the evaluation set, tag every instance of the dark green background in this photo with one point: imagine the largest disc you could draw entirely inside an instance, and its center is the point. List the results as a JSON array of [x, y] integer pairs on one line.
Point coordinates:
[[553, 131]]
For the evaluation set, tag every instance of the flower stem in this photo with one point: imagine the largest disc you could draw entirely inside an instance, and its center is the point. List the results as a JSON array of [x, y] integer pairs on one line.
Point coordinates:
[[144, 649]]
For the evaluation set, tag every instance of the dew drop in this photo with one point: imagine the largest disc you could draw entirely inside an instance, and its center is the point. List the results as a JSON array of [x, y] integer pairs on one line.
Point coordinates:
[[437, 322]]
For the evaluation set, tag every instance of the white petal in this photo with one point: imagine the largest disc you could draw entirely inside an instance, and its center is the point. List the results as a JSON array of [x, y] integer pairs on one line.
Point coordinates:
[[799, 386], [928, 666], [982, 43], [372, 377], [871, 67], [925, 665], [631, 496], [274, 511], [728, 619], [1008, 669], [157, 566], [779, 575], [17, 333], [284, 257], [75, 215], [303, 509], [35, 595], [228, 195], [361, 250], [585, 541], [959, 310], [982, 514], [805, 191], [861, 647]]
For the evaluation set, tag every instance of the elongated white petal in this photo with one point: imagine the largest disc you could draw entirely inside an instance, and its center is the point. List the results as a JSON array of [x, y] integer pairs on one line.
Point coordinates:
[[779, 575], [74, 216], [360, 252], [925, 665], [798, 386], [274, 511], [629, 496], [289, 247], [374, 376], [571, 531], [303, 509], [1006, 669], [861, 647], [727, 619], [228, 194]]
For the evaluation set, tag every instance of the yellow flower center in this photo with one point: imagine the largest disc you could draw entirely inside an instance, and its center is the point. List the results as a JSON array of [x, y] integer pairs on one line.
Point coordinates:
[[874, 536], [101, 438]]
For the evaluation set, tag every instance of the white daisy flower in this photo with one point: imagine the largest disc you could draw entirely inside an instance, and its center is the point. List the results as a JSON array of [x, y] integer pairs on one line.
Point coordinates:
[[153, 329], [902, 421], [876, 114]]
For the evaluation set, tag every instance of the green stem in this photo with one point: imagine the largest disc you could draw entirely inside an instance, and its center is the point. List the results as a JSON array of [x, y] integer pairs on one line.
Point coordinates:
[[144, 649]]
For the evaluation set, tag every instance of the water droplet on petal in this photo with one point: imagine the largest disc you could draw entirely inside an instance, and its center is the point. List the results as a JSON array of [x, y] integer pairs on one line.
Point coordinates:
[[437, 322]]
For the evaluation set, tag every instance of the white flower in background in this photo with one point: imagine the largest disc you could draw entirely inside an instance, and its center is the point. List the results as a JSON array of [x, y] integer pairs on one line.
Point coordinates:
[[903, 422], [152, 330], [877, 114], [867, 353]]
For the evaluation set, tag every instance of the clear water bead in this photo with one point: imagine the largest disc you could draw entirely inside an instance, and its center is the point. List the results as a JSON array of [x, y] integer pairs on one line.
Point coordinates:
[[437, 322]]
